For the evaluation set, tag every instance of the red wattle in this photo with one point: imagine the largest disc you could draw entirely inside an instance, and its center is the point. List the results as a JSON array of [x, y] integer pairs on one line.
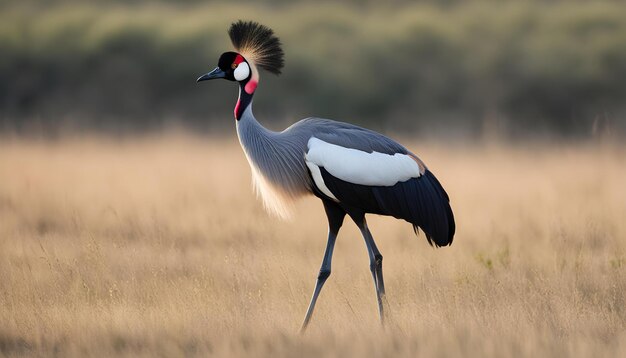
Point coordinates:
[[251, 86], [237, 109]]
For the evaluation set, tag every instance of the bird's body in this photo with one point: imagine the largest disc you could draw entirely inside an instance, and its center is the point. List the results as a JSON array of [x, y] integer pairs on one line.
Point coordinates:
[[353, 166], [353, 170]]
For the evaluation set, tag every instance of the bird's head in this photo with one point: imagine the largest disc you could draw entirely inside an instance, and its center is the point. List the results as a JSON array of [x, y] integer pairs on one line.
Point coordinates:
[[231, 66], [256, 45]]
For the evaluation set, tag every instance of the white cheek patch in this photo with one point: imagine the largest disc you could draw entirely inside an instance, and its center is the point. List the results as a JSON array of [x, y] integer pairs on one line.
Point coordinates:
[[359, 167], [242, 71]]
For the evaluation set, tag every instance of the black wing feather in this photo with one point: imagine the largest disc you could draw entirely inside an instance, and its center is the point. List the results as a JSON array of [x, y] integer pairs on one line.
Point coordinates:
[[421, 201]]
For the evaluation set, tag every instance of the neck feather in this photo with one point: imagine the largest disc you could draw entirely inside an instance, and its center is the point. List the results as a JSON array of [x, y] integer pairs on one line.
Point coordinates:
[[243, 102], [246, 91], [277, 163]]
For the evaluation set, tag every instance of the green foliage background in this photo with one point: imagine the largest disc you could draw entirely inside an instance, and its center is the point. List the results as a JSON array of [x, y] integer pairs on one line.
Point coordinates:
[[518, 68]]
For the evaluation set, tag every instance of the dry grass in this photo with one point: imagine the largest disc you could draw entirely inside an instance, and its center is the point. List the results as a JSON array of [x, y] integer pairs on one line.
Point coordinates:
[[157, 247]]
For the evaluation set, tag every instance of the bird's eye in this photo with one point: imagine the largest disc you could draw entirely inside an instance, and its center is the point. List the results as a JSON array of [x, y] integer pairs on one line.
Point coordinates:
[[233, 66]]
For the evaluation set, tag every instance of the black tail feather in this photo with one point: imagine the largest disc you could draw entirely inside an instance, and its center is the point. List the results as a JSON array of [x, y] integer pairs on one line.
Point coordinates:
[[421, 201], [424, 203]]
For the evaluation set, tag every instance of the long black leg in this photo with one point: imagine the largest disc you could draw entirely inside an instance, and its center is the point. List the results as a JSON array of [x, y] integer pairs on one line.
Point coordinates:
[[335, 216], [378, 258], [376, 263]]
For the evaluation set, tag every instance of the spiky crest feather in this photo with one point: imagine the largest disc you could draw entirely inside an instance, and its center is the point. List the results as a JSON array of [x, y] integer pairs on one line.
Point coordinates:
[[258, 44]]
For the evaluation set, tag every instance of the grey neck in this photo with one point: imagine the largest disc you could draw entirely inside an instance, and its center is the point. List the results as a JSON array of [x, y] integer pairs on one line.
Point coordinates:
[[276, 156]]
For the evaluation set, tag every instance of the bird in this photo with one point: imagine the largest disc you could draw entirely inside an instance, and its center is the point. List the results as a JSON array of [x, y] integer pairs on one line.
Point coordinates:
[[354, 171]]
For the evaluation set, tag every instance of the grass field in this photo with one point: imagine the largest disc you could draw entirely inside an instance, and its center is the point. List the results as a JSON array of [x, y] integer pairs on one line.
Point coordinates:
[[156, 246]]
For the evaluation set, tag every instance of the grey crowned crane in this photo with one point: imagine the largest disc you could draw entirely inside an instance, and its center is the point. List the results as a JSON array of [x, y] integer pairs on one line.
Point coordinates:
[[353, 170]]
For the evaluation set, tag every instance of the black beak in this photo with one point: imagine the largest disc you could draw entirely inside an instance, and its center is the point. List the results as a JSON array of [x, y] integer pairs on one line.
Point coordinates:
[[216, 73]]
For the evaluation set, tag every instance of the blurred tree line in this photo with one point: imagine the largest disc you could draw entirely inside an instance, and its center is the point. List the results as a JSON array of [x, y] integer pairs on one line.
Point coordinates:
[[461, 67]]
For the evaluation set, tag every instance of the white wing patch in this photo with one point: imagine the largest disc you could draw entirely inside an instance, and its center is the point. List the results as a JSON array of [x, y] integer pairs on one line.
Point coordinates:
[[319, 181], [359, 167]]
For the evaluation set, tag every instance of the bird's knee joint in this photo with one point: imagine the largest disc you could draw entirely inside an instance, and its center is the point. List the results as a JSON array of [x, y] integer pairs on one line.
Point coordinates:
[[376, 263], [323, 275]]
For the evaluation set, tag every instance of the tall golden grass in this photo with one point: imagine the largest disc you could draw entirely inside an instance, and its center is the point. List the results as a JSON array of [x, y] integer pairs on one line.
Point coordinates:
[[157, 247]]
